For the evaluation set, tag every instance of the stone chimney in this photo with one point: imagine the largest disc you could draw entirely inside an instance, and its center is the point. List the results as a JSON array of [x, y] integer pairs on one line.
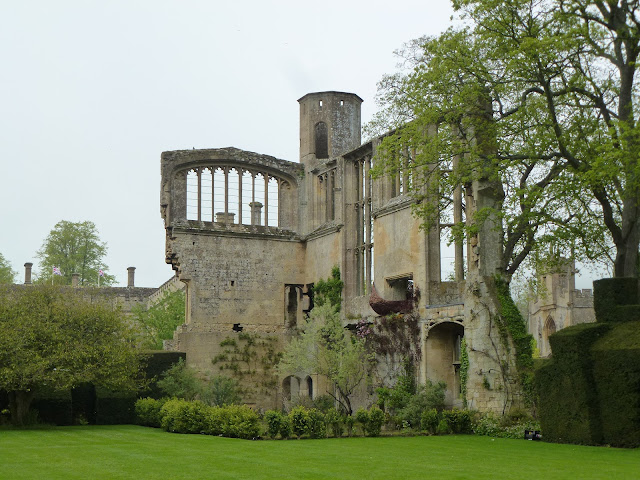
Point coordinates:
[[75, 279], [132, 274], [222, 217], [256, 213], [27, 273]]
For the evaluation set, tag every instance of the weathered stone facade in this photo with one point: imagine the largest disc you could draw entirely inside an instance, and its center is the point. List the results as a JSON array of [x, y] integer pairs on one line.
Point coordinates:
[[249, 235], [558, 305]]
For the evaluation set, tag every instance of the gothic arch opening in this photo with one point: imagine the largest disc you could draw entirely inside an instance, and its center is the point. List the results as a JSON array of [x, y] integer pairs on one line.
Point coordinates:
[[442, 359], [548, 330]]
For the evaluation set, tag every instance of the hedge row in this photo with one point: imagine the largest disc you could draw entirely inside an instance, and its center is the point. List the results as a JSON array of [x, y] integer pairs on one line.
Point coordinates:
[[590, 390], [182, 416]]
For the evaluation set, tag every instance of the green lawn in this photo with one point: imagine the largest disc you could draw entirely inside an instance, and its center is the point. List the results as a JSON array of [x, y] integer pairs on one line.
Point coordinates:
[[130, 452]]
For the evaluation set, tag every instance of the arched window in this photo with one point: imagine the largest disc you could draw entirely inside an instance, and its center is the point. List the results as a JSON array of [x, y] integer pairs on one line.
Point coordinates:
[[322, 140], [310, 387]]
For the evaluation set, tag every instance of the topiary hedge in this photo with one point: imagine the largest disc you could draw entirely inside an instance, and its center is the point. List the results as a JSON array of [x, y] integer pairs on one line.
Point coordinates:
[[590, 390]]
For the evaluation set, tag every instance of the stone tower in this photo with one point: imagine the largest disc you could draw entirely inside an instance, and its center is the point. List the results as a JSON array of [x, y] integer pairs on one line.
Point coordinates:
[[329, 125]]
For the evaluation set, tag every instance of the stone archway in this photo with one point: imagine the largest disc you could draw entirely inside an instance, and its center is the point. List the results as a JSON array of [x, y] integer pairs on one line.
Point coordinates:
[[442, 358], [290, 388], [549, 329]]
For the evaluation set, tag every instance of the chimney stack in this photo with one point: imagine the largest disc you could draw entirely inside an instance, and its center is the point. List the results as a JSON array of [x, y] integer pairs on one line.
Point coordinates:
[[132, 274], [27, 273]]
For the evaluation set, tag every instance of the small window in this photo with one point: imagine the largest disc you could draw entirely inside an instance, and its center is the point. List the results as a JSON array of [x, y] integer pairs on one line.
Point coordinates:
[[320, 103], [322, 140], [342, 103]]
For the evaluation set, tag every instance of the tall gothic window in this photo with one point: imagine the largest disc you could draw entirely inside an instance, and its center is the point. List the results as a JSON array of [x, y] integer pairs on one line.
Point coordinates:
[[322, 140]]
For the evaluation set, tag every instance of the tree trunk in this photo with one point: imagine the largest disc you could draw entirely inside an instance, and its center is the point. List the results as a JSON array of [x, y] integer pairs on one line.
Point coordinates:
[[19, 405]]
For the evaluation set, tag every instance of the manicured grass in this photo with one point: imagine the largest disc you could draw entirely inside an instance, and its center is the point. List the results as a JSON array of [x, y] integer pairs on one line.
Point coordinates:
[[131, 452]]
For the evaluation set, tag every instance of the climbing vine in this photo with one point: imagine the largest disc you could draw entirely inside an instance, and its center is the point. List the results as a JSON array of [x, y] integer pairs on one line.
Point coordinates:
[[329, 290], [251, 359], [464, 371], [511, 324], [394, 339]]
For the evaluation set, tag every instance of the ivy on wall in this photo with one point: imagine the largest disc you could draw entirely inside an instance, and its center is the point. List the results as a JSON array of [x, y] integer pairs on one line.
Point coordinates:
[[251, 359], [464, 371]]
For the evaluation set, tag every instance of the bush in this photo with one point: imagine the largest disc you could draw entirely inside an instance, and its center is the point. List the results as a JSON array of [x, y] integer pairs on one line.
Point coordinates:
[[324, 403], [443, 427], [220, 391], [285, 427], [299, 421], [362, 418], [376, 419], [429, 396], [180, 381], [148, 412], [316, 426], [240, 422], [182, 416], [492, 426], [349, 422], [274, 423], [459, 421], [334, 421], [429, 421]]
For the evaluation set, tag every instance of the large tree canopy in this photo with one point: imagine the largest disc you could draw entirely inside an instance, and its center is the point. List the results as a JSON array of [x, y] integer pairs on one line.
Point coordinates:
[[74, 248], [539, 96], [160, 321], [7, 274], [55, 336]]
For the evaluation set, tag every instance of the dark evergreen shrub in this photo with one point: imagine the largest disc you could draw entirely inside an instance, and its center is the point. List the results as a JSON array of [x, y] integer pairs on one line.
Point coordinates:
[[285, 427], [459, 421], [609, 294]]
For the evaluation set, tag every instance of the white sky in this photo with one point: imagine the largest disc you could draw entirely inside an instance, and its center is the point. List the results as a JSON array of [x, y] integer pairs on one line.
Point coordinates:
[[92, 92]]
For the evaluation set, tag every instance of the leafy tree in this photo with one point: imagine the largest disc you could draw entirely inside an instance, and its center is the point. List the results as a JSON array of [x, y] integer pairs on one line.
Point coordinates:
[[537, 96], [74, 248], [158, 322], [7, 274], [53, 336], [326, 348]]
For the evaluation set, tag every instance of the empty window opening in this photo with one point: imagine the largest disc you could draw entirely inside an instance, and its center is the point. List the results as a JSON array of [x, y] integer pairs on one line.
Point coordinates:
[[206, 199], [237, 327], [273, 202], [233, 282], [192, 195], [320, 104], [322, 140], [342, 103], [291, 300], [310, 387], [400, 287]]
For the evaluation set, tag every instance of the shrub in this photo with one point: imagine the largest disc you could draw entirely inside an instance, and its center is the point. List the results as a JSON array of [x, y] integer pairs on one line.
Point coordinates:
[[148, 411], [492, 426], [182, 416], [376, 419], [316, 426], [324, 403], [180, 381], [349, 422], [443, 427], [299, 421], [362, 418], [334, 421], [459, 421], [429, 421], [241, 422], [221, 391], [285, 427], [274, 423], [216, 418], [429, 396]]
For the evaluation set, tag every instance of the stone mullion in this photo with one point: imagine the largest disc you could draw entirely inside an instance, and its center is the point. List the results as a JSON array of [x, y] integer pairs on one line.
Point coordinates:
[[253, 194], [239, 196]]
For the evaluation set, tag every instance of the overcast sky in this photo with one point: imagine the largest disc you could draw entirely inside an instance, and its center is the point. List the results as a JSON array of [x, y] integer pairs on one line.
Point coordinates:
[[93, 91]]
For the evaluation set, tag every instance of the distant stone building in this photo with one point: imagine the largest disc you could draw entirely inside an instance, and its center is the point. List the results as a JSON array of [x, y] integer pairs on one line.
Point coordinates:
[[558, 305]]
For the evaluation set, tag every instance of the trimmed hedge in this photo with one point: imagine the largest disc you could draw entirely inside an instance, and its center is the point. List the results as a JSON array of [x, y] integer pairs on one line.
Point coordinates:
[[569, 406], [590, 390], [610, 294]]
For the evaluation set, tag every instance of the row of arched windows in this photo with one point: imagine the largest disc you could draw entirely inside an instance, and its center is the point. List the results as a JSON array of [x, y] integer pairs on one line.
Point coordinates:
[[233, 195]]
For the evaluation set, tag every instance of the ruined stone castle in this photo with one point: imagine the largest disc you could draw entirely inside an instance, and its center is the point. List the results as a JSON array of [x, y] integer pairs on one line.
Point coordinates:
[[249, 235]]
